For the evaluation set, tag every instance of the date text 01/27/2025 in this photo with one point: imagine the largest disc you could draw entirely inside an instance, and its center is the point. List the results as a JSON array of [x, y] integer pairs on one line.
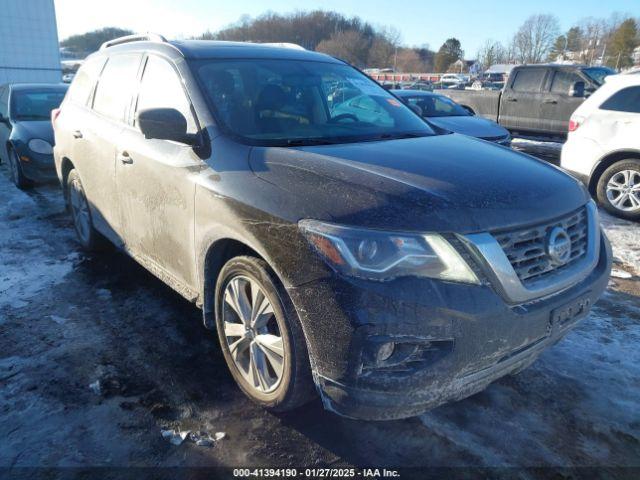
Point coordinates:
[[315, 473]]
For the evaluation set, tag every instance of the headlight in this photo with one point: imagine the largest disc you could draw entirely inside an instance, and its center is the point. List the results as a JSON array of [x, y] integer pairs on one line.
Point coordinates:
[[378, 255], [40, 146]]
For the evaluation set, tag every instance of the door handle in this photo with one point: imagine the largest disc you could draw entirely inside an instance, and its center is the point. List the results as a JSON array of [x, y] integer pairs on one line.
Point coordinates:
[[125, 158], [77, 134], [550, 101], [511, 99]]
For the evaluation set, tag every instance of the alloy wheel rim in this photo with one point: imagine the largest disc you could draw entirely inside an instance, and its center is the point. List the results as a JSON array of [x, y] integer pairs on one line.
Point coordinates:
[[80, 211], [623, 190], [252, 334]]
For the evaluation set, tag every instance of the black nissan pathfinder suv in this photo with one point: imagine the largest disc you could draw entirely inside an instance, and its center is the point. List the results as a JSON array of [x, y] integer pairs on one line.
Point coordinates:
[[384, 264]]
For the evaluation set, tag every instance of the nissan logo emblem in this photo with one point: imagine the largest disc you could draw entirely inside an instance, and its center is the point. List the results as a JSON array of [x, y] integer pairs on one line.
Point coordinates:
[[559, 246]]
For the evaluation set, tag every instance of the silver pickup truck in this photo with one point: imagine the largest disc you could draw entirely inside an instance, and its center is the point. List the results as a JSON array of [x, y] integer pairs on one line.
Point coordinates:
[[536, 99]]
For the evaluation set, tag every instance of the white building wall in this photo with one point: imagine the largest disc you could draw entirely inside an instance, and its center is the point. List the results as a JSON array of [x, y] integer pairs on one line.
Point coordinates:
[[29, 42]]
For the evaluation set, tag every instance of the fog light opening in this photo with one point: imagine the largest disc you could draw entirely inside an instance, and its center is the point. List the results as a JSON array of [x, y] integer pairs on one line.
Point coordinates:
[[385, 351]]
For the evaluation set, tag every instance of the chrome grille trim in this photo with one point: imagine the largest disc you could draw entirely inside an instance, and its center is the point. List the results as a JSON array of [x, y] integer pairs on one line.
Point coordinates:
[[493, 258], [526, 248]]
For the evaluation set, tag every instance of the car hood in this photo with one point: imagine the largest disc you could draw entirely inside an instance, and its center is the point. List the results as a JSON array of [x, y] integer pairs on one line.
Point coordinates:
[[472, 126], [440, 183], [27, 130]]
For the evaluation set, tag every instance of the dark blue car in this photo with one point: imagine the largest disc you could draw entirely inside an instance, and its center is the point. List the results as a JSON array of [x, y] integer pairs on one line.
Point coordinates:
[[447, 114], [26, 134]]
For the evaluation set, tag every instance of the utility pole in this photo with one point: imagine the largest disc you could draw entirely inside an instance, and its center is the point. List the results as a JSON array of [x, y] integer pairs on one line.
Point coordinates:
[[395, 60]]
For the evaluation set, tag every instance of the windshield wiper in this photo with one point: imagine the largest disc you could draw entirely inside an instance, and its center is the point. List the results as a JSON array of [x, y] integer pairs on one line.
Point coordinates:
[[32, 117], [398, 136], [299, 142]]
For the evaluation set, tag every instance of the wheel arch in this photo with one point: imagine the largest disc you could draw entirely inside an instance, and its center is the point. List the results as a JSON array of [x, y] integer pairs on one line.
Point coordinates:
[[66, 165], [605, 162], [217, 254]]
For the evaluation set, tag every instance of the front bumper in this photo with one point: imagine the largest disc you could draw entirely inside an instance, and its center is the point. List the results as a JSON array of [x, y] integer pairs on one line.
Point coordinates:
[[456, 339], [36, 166]]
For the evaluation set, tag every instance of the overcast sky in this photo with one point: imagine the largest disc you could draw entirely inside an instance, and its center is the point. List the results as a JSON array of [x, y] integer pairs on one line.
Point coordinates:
[[419, 21]]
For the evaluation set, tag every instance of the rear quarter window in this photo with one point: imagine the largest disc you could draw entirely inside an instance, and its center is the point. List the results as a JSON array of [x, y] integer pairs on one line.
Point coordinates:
[[84, 81], [625, 100]]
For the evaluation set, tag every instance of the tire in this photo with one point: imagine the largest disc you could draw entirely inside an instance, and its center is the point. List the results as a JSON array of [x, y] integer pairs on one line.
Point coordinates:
[[620, 179], [88, 237], [15, 170], [253, 366]]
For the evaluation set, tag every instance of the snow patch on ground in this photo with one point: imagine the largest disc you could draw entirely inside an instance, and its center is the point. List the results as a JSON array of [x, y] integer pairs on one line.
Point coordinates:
[[22, 277], [625, 240], [528, 143]]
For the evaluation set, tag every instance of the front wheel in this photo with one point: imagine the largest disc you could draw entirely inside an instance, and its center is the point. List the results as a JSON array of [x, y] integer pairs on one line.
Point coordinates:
[[260, 335], [15, 169], [619, 189]]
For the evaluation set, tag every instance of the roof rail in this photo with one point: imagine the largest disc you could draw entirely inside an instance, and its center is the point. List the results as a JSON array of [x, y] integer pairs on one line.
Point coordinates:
[[149, 37]]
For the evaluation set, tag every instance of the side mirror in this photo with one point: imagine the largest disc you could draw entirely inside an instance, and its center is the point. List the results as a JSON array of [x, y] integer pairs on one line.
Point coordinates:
[[164, 124], [577, 89], [416, 109], [469, 111]]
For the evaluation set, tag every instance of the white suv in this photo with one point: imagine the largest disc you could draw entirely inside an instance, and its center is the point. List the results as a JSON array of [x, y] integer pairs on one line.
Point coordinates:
[[603, 148]]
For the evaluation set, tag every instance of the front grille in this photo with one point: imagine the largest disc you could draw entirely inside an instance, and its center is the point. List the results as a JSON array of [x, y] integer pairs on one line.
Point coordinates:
[[526, 248]]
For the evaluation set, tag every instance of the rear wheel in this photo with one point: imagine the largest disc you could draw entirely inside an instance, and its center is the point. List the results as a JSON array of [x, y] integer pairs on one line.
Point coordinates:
[[619, 189], [15, 169], [261, 337], [88, 236]]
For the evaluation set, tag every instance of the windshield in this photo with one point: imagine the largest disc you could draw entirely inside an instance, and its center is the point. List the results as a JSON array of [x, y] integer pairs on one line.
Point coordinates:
[[598, 74], [293, 102], [31, 105], [437, 106]]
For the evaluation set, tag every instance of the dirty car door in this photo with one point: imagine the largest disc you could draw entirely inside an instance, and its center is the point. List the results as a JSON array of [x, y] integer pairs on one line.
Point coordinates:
[[155, 181], [520, 103], [557, 104], [94, 133]]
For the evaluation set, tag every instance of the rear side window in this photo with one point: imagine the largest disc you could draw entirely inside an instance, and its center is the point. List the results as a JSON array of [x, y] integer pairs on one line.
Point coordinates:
[[161, 87], [563, 81], [116, 86], [626, 100], [529, 80], [85, 80]]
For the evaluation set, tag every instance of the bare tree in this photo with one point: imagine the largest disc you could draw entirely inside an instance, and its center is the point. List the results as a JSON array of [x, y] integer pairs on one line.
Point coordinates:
[[351, 46], [408, 60], [490, 53], [384, 48], [535, 38]]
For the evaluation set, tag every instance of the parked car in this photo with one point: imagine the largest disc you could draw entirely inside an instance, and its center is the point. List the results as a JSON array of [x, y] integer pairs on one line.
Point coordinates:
[[486, 85], [453, 79], [381, 263], [26, 136], [536, 99], [603, 148], [423, 85], [448, 115]]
